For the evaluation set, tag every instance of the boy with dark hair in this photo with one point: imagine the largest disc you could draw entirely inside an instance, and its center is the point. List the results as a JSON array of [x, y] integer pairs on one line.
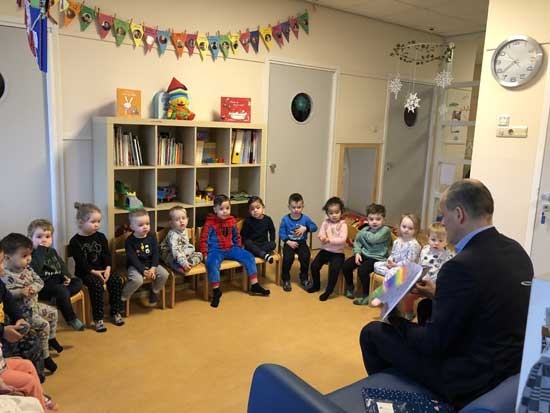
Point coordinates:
[[293, 233], [371, 244]]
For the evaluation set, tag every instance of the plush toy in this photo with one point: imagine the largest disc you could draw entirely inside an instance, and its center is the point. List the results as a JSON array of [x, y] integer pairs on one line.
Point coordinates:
[[178, 100]]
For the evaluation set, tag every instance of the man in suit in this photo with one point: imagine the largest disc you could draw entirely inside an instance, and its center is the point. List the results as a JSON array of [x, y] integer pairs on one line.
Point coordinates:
[[474, 339]]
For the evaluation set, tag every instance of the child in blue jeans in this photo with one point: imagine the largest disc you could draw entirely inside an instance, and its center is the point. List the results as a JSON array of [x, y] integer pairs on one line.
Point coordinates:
[[220, 240]]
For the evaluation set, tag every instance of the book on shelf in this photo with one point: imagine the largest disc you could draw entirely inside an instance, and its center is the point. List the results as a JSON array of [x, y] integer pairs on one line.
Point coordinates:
[[244, 147], [169, 151], [127, 149], [199, 151]]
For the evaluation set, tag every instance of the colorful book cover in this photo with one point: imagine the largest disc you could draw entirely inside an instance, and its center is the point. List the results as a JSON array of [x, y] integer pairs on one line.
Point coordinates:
[[235, 109], [128, 103]]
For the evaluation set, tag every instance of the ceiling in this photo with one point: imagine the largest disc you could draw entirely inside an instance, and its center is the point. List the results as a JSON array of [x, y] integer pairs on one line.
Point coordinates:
[[443, 17]]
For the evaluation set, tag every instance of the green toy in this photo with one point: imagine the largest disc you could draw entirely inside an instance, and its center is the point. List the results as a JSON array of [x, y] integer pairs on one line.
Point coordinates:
[[126, 199]]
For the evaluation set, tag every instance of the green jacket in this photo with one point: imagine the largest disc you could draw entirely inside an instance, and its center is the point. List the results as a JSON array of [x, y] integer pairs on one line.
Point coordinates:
[[374, 245]]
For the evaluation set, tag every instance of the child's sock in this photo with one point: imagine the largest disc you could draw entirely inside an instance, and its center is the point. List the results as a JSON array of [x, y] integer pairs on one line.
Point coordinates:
[[76, 324], [258, 289], [53, 343], [325, 295], [269, 258], [50, 365], [100, 327], [216, 295]]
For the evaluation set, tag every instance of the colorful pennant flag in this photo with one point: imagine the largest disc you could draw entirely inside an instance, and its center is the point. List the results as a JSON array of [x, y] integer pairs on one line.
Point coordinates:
[[234, 37], [178, 39], [70, 13], [87, 15], [255, 40], [285, 26], [267, 36], [36, 24], [121, 29], [244, 38], [162, 37], [137, 33], [278, 34], [303, 20], [149, 37], [225, 45], [202, 45], [104, 24], [63, 6], [214, 45], [191, 42], [294, 26]]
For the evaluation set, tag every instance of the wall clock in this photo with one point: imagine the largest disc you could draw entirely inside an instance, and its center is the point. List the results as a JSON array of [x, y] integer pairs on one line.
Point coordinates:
[[516, 61]]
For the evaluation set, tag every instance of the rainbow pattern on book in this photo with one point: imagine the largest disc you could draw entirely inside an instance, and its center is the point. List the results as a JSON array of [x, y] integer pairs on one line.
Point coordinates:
[[397, 279]]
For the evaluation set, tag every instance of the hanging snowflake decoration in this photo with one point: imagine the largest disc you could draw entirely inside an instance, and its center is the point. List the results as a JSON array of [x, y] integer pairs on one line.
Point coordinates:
[[395, 86], [443, 79], [413, 102]]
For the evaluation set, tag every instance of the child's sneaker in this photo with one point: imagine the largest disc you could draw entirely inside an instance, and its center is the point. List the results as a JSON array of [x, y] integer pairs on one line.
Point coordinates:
[[349, 293], [76, 324], [325, 296], [216, 295], [258, 289], [50, 365], [361, 301], [53, 343], [375, 302], [117, 320], [51, 406], [304, 281], [269, 258], [100, 327], [153, 299], [287, 286]]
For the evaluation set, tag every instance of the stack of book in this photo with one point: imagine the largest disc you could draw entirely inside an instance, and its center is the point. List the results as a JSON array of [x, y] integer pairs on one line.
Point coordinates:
[[169, 151], [244, 146], [127, 149]]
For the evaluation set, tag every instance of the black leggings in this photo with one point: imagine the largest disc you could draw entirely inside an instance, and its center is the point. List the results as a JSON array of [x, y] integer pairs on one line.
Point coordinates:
[[366, 267], [259, 249], [334, 260], [62, 294], [95, 288], [304, 255]]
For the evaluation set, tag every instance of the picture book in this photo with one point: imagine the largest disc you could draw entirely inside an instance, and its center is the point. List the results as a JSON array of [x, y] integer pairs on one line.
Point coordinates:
[[396, 287], [128, 103], [235, 109]]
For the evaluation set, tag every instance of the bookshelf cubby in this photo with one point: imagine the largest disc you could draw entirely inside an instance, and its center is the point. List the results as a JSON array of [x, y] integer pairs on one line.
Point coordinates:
[[161, 166]]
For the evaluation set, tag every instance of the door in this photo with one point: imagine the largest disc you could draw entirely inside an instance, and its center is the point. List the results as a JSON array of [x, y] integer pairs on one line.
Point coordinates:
[[406, 153], [24, 163], [298, 157]]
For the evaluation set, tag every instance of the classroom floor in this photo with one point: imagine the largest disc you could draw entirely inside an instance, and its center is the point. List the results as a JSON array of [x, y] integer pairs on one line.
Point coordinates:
[[194, 358]]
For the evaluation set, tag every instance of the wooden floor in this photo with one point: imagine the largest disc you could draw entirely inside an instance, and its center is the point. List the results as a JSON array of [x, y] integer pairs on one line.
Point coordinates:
[[194, 358]]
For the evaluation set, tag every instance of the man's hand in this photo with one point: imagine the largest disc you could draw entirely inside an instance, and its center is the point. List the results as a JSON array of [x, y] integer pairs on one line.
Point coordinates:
[[358, 259], [292, 244], [425, 288]]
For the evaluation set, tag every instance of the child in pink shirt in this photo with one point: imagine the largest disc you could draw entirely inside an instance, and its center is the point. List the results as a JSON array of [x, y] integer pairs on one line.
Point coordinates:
[[333, 235]]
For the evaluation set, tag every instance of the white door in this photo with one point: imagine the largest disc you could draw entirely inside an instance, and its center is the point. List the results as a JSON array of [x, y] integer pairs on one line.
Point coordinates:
[[298, 156], [24, 167], [406, 152]]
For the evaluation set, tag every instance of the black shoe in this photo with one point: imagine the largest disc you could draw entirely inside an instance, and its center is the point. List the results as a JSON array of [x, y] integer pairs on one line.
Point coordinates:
[[50, 365], [53, 343], [314, 288], [325, 296], [216, 295], [286, 286], [258, 289]]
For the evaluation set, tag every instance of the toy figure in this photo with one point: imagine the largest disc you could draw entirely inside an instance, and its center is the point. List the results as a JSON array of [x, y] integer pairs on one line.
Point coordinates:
[[125, 198], [178, 102]]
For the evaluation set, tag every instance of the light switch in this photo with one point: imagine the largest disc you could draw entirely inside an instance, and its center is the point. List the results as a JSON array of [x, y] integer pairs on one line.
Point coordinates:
[[512, 132], [503, 120]]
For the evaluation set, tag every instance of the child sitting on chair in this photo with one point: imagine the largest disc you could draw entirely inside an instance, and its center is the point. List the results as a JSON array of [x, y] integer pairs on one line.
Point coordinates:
[[258, 232], [24, 285], [175, 248], [220, 240], [293, 233], [142, 254], [59, 286]]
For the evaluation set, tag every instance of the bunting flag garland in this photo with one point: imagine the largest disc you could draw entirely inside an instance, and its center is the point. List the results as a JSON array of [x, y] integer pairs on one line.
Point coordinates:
[[63, 5], [137, 33], [234, 42], [105, 24], [191, 42], [285, 27], [36, 23], [225, 45], [71, 12], [202, 45], [121, 29], [214, 45], [278, 34], [87, 15], [149, 37], [255, 40], [303, 20], [178, 39], [267, 36], [245, 40], [162, 38], [294, 26]]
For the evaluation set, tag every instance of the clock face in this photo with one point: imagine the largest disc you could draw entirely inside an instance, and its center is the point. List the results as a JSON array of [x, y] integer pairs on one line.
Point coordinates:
[[516, 61]]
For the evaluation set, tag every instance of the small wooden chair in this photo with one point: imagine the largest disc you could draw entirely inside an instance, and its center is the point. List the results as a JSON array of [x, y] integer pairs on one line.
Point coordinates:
[[117, 252], [82, 297]]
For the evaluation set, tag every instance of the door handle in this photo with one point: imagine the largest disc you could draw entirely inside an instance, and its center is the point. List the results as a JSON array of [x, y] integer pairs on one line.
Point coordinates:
[[389, 166], [272, 166]]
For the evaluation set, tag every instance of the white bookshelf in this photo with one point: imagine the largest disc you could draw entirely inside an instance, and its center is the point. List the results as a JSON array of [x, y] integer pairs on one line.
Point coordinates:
[[225, 177]]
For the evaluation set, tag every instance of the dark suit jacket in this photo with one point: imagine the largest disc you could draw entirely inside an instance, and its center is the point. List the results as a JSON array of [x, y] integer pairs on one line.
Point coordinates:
[[477, 328]]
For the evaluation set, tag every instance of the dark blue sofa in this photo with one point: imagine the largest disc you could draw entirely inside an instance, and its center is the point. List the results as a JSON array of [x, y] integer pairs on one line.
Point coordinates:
[[276, 389]]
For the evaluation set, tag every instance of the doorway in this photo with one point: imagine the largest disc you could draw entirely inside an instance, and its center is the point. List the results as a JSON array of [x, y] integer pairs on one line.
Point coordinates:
[[300, 113], [406, 154]]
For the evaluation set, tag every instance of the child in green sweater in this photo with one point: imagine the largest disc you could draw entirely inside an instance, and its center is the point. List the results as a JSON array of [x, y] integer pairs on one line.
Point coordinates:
[[371, 244]]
